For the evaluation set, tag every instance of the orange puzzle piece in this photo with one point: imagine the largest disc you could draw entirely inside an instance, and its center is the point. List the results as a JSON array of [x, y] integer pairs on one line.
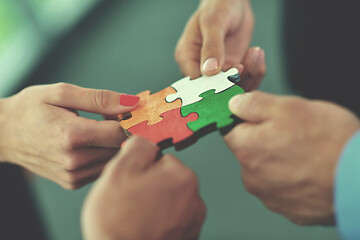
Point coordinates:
[[150, 107]]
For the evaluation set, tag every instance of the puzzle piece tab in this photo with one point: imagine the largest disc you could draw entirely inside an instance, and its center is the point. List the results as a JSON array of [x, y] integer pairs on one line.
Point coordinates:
[[173, 126], [213, 109], [189, 91], [150, 107]]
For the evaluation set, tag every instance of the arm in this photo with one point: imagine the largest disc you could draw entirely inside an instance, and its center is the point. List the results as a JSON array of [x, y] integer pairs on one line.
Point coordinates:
[[347, 190], [41, 130], [141, 197]]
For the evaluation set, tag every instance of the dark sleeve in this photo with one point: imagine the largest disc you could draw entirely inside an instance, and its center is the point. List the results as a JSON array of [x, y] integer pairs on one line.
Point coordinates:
[[19, 218]]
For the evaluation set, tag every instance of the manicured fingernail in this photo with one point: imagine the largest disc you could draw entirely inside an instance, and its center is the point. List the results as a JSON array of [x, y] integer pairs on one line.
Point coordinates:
[[255, 55], [210, 64], [129, 100], [236, 101]]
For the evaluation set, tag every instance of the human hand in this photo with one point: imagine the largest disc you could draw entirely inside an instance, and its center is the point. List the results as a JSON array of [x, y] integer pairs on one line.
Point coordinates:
[[288, 148], [140, 197], [41, 131], [215, 38]]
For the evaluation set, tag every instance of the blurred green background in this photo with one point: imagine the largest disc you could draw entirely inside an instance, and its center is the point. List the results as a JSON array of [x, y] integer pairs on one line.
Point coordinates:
[[128, 46]]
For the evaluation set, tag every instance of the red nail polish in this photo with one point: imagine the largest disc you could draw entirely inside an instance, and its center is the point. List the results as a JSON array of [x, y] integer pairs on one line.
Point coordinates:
[[129, 100]]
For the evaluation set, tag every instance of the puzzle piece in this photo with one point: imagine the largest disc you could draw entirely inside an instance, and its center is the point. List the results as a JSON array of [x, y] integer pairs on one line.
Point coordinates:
[[173, 126], [150, 107], [189, 90], [213, 109]]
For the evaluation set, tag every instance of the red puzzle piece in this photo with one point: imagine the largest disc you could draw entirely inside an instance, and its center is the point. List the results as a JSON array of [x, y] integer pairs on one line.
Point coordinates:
[[173, 126]]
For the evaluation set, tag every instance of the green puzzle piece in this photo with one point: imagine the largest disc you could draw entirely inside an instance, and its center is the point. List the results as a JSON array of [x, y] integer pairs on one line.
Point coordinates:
[[212, 109]]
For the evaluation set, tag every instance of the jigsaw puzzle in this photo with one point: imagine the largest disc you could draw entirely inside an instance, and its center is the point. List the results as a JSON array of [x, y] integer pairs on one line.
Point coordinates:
[[150, 107], [188, 109], [189, 90], [172, 127]]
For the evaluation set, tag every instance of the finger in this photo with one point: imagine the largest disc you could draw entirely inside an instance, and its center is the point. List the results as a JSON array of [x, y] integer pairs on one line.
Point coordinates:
[[191, 68], [91, 100], [253, 106], [68, 179], [85, 157], [213, 45], [237, 43], [254, 69], [73, 160], [187, 52], [170, 162], [242, 139], [92, 133], [136, 155]]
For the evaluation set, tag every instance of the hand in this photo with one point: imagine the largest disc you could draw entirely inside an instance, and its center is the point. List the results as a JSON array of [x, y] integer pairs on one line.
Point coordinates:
[[139, 197], [41, 131], [288, 148], [215, 38]]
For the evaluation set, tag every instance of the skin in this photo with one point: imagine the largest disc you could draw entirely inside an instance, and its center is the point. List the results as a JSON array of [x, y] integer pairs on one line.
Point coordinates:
[[141, 197], [288, 148], [42, 132], [219, 29]]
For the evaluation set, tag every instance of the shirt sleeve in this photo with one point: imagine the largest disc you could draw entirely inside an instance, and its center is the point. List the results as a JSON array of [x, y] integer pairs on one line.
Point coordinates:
[[347, 190]]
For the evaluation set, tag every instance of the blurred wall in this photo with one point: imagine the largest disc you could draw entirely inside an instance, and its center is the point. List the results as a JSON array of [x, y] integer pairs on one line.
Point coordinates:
[[127, 46]]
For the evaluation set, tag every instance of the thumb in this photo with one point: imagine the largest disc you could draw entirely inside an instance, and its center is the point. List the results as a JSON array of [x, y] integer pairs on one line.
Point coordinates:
[[252, 106], [213, 48], [91, 100]]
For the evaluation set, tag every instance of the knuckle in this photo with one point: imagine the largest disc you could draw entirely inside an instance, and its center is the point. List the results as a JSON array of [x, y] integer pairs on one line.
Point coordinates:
[[203, 210], [71, 178], [187, 177], [71, 163], [181, 55], [69, 186], [248, 162], [178, 54], [102, 98], [61, 90], [182, 174], [70, 140], [250, 186], [297, 221]]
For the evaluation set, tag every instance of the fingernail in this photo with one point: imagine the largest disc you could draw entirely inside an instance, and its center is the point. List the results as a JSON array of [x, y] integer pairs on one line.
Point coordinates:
[[240, 68], [236, 101], [255, 56], [210, 64], [129, 100]]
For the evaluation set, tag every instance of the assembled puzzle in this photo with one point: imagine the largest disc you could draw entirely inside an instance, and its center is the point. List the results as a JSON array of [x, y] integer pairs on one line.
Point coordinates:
[[190, 108]]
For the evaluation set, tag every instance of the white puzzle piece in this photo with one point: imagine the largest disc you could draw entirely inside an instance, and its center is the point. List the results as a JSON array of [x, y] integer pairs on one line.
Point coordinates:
[[189, 90]]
